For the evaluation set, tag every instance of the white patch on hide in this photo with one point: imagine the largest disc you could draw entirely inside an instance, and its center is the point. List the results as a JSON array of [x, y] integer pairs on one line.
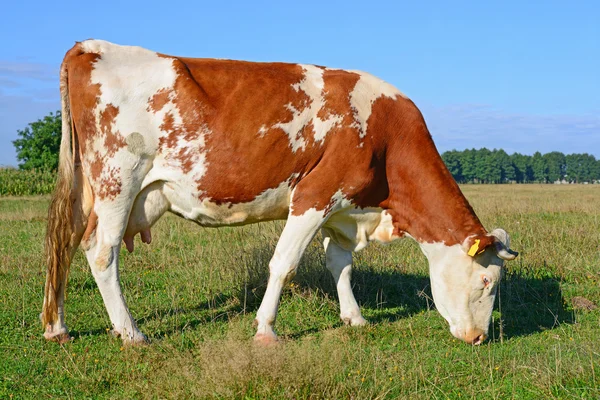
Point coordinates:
[[313, 86], [271, 204], [368, 89], [262, 131], [354, 228], [384, 232]]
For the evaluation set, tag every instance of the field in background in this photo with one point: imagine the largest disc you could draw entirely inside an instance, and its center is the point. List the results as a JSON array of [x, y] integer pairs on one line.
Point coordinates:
[[194, 292], [15, 182]]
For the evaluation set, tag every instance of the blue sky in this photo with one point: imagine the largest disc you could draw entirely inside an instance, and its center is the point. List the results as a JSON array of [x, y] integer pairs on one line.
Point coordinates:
[[518, 75]]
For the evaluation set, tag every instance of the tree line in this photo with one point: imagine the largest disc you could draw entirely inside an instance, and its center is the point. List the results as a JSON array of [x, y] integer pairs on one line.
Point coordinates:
[[496, 166]]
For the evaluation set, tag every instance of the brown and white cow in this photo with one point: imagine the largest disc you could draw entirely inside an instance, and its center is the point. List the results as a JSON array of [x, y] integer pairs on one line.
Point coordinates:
[[225, 142]]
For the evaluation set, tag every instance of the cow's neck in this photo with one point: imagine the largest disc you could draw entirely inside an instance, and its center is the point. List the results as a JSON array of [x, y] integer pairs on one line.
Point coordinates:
[[424, 200]]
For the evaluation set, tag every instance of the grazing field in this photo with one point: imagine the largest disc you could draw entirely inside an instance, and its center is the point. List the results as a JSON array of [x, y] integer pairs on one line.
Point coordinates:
[[194, 292]]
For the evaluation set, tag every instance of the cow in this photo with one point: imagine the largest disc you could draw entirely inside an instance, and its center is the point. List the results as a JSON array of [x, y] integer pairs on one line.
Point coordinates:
[[224, 143]]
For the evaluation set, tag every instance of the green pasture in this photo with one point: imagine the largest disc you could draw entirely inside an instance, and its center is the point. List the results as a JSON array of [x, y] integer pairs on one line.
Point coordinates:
[[194, 291]]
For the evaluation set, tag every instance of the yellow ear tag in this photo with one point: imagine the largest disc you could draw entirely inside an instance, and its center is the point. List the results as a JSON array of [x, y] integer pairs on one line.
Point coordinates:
[[474, 248]]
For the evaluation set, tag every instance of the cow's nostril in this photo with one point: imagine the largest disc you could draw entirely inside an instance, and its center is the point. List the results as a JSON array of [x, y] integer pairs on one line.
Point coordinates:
[[479, 339]]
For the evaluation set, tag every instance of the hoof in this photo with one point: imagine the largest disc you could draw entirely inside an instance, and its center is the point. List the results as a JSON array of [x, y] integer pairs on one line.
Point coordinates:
[[136, 339], [266, 339], [355, 321], [139, 340], [60, 336]]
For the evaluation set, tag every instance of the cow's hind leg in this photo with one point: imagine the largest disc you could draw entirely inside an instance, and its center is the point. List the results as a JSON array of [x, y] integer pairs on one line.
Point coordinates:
[[297, 234], [102, 251], [339, 263], [102, 243]]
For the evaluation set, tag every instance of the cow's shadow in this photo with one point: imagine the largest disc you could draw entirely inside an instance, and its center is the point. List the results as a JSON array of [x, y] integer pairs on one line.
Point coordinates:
[[526, 305], [530, 305]]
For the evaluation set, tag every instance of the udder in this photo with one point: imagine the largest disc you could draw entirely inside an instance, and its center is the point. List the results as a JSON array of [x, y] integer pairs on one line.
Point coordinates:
[[148, 207]]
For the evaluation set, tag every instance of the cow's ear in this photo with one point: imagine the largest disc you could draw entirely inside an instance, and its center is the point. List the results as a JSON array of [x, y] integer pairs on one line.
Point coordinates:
[[502, 243], [477, 244]]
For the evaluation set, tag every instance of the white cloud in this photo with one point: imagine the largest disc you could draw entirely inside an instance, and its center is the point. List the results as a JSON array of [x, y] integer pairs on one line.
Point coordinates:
[[9, 83], [28, 70]]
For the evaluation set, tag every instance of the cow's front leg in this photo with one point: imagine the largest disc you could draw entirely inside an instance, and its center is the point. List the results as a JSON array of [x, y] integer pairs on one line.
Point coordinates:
[[297, 234], [339, 263], [102, 251]]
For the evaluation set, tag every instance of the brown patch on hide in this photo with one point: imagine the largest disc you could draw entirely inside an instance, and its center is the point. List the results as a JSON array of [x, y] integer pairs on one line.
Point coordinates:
[[159, 100], [110, 184], [246, 153], [187, 98], [113, 141], [84, 99], [90, 229], [337, 86]]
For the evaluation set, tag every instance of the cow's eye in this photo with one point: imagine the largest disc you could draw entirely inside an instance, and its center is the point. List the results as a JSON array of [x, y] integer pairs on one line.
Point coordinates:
[[485, 280]]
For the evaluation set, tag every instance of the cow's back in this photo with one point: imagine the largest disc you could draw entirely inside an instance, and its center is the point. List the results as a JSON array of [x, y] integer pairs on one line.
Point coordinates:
[[225, 133]]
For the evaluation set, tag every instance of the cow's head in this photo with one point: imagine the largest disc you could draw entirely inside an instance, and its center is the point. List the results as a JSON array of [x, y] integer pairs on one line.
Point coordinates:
[[464, 281]]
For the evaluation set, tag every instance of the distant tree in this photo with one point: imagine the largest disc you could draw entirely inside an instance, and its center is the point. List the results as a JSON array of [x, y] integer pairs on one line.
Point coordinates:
[[556, 166], [452, 161], [581, 168], [467, 162], [38, 145], [479, 167], [573, 170], [589, 163], [507, 169], [540, 171], [489, 167], [522, 165]]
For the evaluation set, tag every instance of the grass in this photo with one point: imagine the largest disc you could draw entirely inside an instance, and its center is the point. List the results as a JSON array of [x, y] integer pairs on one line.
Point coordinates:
[[194, 292]]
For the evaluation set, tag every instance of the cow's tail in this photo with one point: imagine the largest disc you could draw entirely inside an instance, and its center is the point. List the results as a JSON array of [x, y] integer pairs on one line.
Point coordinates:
[[60, 230]]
